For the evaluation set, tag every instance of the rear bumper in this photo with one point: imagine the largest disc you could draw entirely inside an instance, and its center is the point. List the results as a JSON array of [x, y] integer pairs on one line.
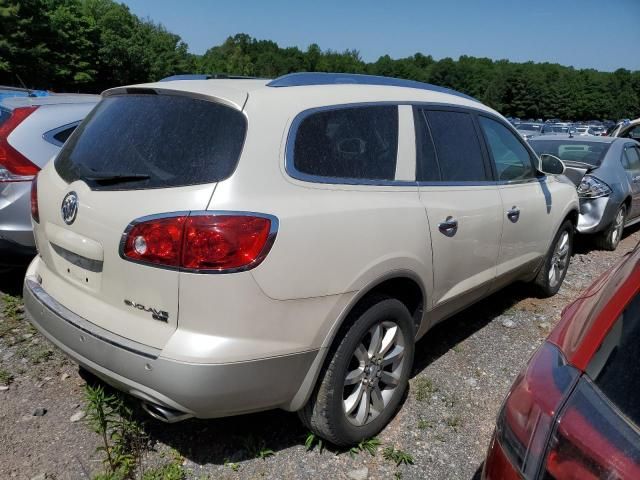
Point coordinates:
[[200, 390], [15, 214], [596, 214]]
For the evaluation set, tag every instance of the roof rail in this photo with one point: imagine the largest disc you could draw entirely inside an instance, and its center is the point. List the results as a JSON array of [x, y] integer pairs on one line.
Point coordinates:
[[321, 78], [206, 76]]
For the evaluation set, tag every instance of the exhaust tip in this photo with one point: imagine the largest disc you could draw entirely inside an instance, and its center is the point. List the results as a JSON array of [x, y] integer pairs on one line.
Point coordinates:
[[164, 414]]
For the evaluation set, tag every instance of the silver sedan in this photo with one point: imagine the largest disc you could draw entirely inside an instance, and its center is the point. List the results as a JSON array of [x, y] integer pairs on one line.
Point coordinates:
[[606, 172]]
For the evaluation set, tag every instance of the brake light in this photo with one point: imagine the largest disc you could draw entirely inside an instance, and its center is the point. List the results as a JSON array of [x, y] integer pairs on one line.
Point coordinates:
[[525, 422], [15, 167], [209, 243], [591, 440], [35, 211]]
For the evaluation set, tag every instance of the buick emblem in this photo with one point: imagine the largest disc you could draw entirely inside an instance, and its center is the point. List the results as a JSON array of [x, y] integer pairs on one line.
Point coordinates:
[[69, 207]]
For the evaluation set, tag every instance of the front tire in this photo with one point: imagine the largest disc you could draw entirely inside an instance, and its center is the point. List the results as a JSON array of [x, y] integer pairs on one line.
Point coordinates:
[[365, 374], [610, 238], [551, 275]]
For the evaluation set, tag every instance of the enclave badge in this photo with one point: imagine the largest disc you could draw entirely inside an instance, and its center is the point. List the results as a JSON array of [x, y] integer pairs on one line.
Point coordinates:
[[69, 207], [155, 314]]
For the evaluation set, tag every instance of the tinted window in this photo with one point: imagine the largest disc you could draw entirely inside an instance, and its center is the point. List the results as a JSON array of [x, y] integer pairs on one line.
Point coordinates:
[[633, 133], [457, 146], [615, 368], [427, 169], [173, 140], [631, 159], [63, 135], [572, 151], [349, 143], [510, 157]]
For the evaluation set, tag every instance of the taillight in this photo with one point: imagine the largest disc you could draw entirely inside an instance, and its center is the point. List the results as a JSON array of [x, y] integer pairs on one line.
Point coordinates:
[[15, 167], [35, 211], [591, 441], [525, 422], [203, 243]]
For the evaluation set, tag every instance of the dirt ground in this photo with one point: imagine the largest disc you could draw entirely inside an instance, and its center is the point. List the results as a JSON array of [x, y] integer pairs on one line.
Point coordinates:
[[462, 371]]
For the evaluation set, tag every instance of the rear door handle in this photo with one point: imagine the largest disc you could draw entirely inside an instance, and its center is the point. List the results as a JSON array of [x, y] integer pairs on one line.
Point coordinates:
[[513, 214], [448, 227]]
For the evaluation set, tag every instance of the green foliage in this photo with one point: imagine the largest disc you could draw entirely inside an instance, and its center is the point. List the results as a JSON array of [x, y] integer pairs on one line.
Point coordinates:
[[170, 471], [5, 377], [424, 388], [123, 440], [397, 456], [369, 445], [233, 466], [256, 448], [311, 441], [90, 45]]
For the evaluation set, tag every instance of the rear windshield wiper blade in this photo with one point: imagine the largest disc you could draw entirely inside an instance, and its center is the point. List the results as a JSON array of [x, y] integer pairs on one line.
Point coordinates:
[[110, 178]]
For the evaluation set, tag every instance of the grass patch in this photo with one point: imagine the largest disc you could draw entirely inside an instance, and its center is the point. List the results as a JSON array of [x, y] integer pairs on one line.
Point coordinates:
[[256, 448], [369, 445], [312, 441], [399, 457], [424, 388], [5, 377], [34, 353], [423, 424], [454, 422], [170, 471]]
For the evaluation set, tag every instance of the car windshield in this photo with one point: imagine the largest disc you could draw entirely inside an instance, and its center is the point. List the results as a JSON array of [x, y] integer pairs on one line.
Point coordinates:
[[591, 153], [138, 141], [528, 126]]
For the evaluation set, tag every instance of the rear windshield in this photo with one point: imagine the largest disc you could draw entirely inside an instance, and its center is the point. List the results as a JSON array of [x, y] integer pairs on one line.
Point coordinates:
[[140, 141], [587, 152]]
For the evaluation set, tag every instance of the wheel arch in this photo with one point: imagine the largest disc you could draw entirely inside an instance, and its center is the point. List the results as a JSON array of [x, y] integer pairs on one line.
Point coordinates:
[[403, 285]]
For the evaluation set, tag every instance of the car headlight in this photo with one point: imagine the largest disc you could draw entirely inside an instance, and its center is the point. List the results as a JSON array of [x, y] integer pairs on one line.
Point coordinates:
[[592, 187]]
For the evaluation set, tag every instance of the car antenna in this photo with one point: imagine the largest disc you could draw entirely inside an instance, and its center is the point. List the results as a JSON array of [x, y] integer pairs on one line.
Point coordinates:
[[29, 91]]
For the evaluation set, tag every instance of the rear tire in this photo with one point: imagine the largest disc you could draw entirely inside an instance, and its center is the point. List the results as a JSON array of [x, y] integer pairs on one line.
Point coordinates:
[[365, 374], [556, 263], [610, 238]]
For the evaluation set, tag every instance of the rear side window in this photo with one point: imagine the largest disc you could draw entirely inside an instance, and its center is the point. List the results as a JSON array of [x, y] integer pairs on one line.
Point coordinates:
[[511, 158], [615, 368], [631, 158], [427, 169], [358, 143], [457, 146], [63, 135], [153, 141]]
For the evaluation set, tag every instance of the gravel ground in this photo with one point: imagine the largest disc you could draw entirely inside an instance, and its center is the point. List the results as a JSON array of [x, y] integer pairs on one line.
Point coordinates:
[[462, 371]]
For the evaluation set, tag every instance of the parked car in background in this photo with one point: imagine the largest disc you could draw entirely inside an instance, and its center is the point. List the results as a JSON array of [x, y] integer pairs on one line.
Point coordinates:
[[606, 171], [6, 92], [630, 129], [584, 131], [414, 201], [573, 412], [528, 130], [32, 130]]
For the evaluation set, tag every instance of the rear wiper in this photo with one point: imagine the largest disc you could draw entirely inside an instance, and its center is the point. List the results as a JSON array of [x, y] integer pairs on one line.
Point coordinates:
[[111, 178]]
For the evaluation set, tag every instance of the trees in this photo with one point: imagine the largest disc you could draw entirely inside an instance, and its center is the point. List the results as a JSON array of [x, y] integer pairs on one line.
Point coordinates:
[[91, 45]]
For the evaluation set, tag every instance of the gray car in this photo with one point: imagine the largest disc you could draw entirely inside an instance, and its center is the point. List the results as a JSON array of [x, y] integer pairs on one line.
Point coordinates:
[[32, 131], [606, 171]]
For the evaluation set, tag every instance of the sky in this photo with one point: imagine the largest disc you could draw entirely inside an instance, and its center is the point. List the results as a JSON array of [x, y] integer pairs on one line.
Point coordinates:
[[600, 34]]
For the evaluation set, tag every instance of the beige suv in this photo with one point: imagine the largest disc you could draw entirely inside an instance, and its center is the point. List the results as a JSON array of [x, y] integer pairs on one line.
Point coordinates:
[[217, 247]]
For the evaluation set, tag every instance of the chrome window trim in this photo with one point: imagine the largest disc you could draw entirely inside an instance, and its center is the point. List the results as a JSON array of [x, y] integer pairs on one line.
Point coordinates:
[[273, 231], [49, 136], [317, 179]]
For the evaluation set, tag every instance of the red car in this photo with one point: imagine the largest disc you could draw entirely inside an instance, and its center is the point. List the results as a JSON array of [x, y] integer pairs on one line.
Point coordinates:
[[574, 412]]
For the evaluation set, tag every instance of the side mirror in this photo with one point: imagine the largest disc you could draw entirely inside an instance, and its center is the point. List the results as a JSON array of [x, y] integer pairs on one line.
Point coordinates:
[[551, 165]]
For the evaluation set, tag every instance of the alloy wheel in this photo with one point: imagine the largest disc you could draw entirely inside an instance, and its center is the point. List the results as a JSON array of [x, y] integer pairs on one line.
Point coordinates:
[[559, 260], [373, 373]]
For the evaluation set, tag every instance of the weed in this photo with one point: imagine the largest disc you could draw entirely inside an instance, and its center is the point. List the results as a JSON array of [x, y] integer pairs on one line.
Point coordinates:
[[454, 422], [257, 448], [397, 475], [398, 456], [457, 348], [5, 377], [424, 389], [423, 424], [34, 353], [170, 471], [234, 466], [12, 307], [369, 445], [311, 441], [123, 440]]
